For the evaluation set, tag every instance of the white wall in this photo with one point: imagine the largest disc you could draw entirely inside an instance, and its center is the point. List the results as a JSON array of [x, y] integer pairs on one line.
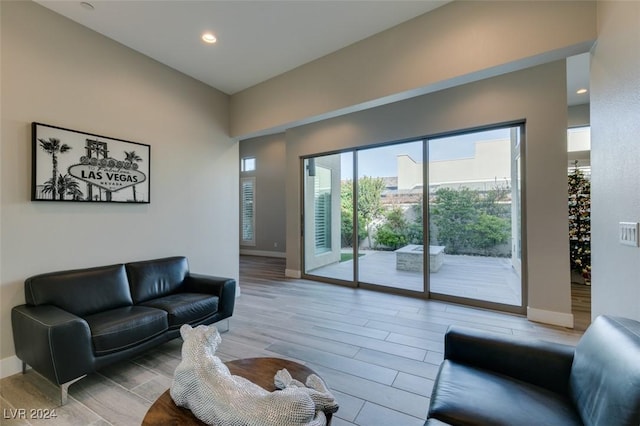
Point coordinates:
[[491, 162], [57, 72], [537, 95], [615, 158]]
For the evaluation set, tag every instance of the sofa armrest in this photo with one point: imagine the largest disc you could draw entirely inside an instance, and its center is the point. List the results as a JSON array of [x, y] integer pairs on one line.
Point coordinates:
[[224, 288], [538, 362], [54, 342]]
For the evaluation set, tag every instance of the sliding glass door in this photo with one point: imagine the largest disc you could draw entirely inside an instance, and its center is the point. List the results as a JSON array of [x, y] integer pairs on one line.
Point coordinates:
[[474, 216], [389, 206], [380, 217], [328, 216]]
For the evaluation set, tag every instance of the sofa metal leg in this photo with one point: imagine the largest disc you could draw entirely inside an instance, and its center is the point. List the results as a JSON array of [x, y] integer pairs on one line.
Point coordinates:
[[64, 389], [24, 367], [223, 326]]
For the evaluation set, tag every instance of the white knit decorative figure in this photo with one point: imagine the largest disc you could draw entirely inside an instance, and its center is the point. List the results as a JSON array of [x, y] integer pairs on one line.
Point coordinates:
[[203, 384]]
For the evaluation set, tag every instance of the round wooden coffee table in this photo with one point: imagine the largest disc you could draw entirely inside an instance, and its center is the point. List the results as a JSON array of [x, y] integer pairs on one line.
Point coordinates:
[[165, 412]]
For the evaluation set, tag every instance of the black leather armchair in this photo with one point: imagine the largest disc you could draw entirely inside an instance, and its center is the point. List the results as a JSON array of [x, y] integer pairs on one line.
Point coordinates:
[[489, 379], [76, 322]]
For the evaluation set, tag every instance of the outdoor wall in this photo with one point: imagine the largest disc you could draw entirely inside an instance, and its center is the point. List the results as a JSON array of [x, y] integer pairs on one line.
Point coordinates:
[[409, 172], [57, 72], [491, 162], [489, 165], [317, 258], [537, 95], [269, 152], [615, 158], [460, 42]]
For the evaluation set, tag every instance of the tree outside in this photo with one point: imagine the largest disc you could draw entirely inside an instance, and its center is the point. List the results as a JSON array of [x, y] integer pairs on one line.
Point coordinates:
[[392, 233], [369, 203], [466, 221], [346, 213]]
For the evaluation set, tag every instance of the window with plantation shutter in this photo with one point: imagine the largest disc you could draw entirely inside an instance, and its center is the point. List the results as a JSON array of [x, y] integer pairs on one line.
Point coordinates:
[[322, 201], [247, 213]]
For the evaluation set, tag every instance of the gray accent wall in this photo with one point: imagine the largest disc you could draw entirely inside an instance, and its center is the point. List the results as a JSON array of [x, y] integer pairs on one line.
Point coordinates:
[[579, 115], [466, 64], [460, 42], [270, 195], [536, 95]]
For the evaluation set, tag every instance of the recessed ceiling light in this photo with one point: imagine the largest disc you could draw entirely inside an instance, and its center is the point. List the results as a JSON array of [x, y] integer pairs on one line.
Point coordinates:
[[86, 5], [581, 91], [209, 38]]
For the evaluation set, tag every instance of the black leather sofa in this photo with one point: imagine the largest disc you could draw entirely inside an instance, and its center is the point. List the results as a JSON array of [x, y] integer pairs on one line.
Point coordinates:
[[79, 321], [489, 379]]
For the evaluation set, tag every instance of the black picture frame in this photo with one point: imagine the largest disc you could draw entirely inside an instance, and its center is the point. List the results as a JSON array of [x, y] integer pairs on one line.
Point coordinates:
[[69, 165]]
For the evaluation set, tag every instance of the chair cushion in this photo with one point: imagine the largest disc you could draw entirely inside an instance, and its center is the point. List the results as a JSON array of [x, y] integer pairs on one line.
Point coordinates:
[[605, 376], [465, 395], [185, 308], [118, 329]]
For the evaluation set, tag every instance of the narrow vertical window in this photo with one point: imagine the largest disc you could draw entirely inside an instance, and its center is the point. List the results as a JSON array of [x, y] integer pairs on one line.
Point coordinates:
[[322, 201], [247, 211]]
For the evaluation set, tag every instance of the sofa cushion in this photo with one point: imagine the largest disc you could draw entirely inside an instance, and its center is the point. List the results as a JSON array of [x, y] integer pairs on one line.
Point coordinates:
[[465, 395], [605, 376], [185, 308], [81, 291], [156, 278], [120, 328]]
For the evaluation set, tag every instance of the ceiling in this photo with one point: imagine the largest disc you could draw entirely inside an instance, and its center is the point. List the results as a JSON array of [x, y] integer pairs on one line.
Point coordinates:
[[257, 40], [578, 78]]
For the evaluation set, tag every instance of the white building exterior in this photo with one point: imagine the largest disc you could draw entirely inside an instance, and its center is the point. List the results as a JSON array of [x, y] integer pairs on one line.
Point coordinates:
[[489, 166]]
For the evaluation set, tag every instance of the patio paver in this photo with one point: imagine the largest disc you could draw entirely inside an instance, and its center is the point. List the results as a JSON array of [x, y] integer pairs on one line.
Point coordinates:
[[477, 277]]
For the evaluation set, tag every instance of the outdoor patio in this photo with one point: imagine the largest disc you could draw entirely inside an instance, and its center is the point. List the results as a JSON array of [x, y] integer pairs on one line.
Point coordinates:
[[490, 279]]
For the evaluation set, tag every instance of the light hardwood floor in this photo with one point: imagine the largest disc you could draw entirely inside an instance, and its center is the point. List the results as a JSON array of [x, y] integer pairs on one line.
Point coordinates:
[[379, 353]]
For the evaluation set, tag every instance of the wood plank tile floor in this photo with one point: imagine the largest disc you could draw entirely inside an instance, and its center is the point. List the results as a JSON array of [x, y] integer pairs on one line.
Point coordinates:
[[379, 353]]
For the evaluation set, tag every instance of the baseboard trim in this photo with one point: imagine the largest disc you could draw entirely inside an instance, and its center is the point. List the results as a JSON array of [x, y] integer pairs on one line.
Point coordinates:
[[292, 273], [550, 317], [10, 366], [263, 253]]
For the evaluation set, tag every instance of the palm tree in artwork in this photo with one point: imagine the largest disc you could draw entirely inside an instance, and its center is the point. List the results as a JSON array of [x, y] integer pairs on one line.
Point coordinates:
[[64, 185], [133, 158], [67, 185], [52, 146], [49, 187]]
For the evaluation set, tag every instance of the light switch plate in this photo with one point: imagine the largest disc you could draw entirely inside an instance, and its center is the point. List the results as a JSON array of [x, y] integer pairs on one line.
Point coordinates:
[[629, 233]]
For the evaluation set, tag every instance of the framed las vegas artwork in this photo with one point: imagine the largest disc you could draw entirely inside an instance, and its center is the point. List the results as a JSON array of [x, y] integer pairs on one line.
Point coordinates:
[[69, 165]]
